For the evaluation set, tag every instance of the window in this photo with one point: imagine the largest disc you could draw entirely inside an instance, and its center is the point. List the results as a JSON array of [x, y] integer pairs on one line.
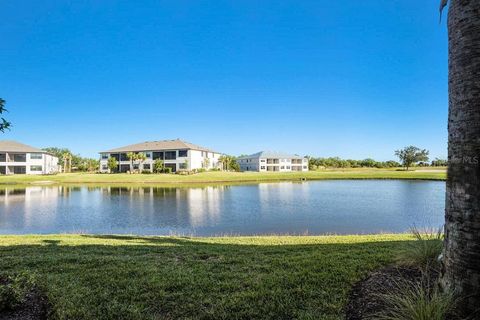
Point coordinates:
[[170, 155], [262, 167], [104, 167], [19, 170], [116, 156], [282, 167], [123, 157], [3, 157], [148, 155], [203, 154], [157, 155], [146, 166], [20, 157], [262, 160], [304, 167], [288, 167], [104, 156], [35, 168], [36, 156], [182, 153], [182, 166], [135, 166]]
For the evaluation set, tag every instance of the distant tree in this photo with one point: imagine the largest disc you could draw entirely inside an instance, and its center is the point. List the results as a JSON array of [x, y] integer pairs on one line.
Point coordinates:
[[89, 164], [135, 157], [67, 161], [4, 124], [228, 163], [439, 163], [131, 157], [141, 157], [158, 166], [112, 164], [392, 164], [411, 155], [369, 163], [205, 163]]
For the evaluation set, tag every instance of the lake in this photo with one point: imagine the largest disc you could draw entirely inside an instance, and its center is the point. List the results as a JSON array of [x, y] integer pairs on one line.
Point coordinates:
[[313, 207]]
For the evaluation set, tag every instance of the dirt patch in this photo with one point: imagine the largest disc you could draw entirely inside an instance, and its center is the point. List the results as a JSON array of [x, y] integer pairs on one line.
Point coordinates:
[[33, 306], [364, 301]]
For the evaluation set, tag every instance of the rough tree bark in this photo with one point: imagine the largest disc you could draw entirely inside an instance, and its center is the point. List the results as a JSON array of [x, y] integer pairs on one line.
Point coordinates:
[[461, 258]]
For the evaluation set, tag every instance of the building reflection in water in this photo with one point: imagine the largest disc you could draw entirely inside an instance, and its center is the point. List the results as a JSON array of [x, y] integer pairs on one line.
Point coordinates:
[[286, 207]]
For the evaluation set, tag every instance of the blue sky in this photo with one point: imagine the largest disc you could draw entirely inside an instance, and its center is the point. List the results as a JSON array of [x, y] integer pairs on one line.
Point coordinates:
[[354, 79]]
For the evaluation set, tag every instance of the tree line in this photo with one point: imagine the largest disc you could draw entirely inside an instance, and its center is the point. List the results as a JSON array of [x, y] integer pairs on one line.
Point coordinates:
[[69, 161], [408, 157]]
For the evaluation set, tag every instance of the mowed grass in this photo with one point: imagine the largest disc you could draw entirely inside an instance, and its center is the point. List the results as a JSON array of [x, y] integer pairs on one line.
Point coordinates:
[[132, 277], [225, 177]]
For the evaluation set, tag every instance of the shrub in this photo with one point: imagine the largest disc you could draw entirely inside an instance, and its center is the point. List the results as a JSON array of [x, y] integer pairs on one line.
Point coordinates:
[[214, 169], [167, 170], [146, 172], [418, 301], [200, 170], [424, 252]]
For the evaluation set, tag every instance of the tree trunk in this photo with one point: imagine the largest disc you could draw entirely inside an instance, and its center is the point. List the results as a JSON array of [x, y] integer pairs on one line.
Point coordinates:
[[461, 258]]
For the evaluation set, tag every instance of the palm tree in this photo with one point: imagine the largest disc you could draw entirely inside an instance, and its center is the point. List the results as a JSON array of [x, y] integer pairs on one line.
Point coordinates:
[[4, 124], [132, 156], [67, 162], [461, 257]]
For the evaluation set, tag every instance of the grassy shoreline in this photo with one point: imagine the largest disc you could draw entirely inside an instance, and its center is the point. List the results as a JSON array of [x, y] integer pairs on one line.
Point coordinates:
[[140, 277], [224, 177]]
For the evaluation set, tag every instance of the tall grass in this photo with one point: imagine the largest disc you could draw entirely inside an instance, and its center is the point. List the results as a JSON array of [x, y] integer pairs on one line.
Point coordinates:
[[422, 300], [425, 252], [418, 301]]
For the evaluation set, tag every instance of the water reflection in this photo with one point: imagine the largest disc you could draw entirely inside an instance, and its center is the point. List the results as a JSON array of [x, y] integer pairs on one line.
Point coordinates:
[[288, 207]]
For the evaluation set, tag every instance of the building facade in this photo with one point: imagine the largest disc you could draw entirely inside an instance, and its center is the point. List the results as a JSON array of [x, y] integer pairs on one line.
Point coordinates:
[[18, 158], [267, 161], [175, 154]]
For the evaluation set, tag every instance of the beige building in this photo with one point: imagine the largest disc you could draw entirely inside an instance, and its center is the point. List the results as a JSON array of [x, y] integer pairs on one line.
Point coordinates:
[[176, 154], [18, 158]]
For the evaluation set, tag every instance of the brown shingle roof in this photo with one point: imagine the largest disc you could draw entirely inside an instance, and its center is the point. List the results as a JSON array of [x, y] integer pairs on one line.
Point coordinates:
[[13, 146], [158, 145]]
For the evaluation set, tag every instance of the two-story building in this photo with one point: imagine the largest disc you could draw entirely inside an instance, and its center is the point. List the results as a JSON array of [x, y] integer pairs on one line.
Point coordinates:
[[175, 154], [18, 158], [269, 161]]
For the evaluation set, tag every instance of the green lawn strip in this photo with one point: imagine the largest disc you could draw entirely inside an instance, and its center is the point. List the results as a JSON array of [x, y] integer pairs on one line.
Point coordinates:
[[221, 177], [272, 277]]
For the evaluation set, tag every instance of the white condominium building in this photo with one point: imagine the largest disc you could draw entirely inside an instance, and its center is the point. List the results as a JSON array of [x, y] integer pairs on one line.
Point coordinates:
[[18, 158], [175, 154], [272, 161]]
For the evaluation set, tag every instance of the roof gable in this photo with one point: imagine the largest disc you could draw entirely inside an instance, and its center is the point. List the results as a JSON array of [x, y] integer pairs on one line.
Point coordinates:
[[14, 146], [158, 145], [273, 155]]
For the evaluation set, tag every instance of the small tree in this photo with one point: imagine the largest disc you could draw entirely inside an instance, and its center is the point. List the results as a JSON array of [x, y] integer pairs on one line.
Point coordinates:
[[67, 162], [131, 156], [141, 157], [112, 164], [158, 166], [4, 124], [205, 163], [411, 155]]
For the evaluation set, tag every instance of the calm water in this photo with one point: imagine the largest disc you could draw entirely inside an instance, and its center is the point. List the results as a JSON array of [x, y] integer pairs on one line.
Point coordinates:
[[287, 208]]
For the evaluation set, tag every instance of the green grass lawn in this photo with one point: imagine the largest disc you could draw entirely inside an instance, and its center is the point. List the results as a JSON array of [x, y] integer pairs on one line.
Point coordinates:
[[122, 277], [226, 177]]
